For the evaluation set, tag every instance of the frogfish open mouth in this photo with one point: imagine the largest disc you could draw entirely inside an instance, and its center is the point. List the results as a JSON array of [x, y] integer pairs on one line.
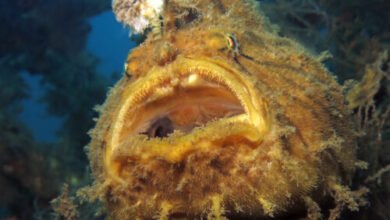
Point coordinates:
[[217, 117]]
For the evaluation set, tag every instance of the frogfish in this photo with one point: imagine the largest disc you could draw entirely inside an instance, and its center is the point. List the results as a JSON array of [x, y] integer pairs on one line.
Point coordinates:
[[218, 117]]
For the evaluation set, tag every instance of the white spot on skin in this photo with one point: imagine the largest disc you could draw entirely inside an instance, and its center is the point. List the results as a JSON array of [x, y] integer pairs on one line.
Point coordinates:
[[192, 78]]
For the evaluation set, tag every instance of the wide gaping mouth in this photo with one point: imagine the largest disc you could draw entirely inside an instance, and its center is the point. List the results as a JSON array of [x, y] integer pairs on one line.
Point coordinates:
[[186, 106], [182, 104]]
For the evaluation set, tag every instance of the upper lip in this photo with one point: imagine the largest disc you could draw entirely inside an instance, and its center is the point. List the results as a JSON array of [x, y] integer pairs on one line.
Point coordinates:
[[184, 72]]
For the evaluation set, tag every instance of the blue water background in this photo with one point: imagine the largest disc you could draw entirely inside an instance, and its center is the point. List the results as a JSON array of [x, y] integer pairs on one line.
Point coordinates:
[[110, 42]]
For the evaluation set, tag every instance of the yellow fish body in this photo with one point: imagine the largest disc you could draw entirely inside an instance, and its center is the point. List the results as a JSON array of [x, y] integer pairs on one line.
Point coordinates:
[[217, 117]]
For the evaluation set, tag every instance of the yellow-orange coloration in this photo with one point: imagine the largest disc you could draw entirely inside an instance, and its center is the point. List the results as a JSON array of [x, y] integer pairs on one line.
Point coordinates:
[[207, 129]]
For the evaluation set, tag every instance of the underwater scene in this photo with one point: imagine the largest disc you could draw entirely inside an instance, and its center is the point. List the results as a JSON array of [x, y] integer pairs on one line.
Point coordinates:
[[194, 109]]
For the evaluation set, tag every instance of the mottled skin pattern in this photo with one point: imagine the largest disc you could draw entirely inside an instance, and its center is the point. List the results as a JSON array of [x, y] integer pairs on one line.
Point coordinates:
[[292, 149]]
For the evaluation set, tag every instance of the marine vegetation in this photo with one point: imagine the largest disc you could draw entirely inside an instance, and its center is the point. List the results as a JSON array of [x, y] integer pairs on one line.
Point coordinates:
[[218, 117]]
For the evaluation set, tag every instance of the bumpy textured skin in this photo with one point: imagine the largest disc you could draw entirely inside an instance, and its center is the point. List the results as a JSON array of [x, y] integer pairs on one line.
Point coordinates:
[[306, 151]]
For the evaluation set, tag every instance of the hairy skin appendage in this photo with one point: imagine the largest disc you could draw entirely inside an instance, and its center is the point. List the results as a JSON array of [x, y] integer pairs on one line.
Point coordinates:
[[216, 117]]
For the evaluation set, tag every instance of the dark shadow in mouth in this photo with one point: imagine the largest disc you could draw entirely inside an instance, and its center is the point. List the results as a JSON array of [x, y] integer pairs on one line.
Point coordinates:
[[162, 127]]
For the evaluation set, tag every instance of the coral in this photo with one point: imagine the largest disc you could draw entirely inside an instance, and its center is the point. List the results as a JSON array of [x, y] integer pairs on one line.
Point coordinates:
[[218, 117], [138, 14]]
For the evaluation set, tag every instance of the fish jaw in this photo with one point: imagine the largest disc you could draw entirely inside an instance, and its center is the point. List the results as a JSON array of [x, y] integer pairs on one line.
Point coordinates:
[[203, 82]]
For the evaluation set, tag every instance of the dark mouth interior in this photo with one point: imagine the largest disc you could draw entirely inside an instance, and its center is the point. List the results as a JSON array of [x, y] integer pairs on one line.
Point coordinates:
[[162, 127]]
